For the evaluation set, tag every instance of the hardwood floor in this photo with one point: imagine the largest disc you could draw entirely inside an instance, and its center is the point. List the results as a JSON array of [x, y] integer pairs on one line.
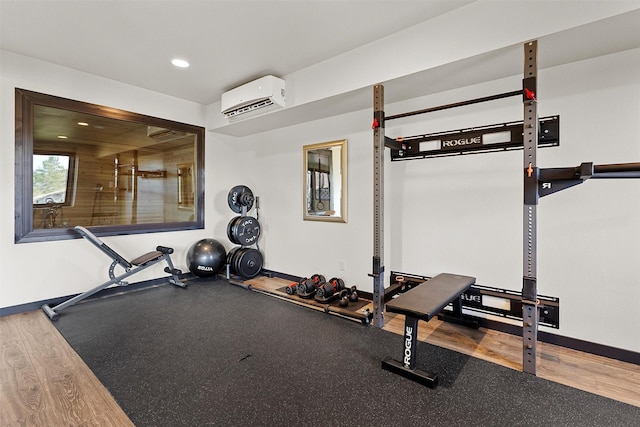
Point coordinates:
[[43, 382]]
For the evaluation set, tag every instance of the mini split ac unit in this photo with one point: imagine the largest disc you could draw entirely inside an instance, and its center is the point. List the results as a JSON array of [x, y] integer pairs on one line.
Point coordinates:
[[254, 98]]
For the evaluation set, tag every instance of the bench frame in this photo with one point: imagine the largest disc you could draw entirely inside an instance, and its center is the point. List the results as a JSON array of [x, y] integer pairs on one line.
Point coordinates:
[[162, 253], [422, 303]]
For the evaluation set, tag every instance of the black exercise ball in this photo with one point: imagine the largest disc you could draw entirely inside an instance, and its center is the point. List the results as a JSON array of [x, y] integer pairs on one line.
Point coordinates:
[[206, 257]]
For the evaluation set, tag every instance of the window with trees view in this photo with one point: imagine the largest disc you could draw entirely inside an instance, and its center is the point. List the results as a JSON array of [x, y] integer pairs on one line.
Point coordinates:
[[51, 184], [114, 171], [50, 178]]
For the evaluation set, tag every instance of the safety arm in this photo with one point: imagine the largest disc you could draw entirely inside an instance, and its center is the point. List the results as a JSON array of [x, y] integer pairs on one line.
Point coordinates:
[[552, 180]]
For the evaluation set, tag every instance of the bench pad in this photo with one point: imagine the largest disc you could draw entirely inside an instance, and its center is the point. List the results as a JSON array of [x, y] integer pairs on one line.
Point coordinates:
[[429, 298], [149, 256]]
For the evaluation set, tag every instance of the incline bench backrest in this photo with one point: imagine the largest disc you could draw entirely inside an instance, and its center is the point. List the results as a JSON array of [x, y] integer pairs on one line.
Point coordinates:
[[102, 246]]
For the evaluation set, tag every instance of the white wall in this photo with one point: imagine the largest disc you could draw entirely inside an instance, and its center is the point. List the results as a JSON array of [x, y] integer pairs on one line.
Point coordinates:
[[36, 271], [464, 214], [461, 215]]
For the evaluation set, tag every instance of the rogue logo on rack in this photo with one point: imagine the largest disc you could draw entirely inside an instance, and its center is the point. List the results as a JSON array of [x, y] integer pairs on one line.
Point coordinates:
[[461, 141], [489, 138], [472, 298]]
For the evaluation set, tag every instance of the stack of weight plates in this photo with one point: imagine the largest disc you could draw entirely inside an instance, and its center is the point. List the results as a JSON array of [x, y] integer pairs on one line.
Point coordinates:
[[243, 230]]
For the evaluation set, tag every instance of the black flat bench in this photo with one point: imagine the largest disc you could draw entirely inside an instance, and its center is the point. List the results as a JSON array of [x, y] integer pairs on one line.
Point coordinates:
[[422, 303]]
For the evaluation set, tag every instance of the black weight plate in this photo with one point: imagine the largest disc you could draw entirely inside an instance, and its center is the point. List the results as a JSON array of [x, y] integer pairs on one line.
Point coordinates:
[[234, 261], [245, 230], [230, 234], [230, 255], [240, 196], [249, 262], [233, 258]]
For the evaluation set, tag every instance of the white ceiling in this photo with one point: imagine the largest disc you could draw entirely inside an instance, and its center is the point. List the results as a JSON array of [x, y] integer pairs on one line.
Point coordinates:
[[228, 43]]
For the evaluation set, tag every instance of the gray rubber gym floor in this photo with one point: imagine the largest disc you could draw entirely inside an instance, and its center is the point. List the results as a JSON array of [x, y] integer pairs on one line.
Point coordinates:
[[218, 354]]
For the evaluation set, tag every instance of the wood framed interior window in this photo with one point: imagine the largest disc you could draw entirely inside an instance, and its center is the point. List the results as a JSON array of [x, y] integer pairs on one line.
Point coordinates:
[[115, 171]]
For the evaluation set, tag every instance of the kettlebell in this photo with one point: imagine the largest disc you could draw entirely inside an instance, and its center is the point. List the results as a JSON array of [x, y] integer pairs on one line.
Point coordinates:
[[344, 298], [354, 295]]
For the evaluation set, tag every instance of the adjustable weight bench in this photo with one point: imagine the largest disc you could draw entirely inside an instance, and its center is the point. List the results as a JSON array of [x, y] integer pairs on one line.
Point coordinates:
[[422, 303], [162, 253]]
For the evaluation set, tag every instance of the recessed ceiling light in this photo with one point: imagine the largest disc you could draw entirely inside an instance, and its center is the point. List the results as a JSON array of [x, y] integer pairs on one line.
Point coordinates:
[[83, 124], [62, 136], [180, 63]]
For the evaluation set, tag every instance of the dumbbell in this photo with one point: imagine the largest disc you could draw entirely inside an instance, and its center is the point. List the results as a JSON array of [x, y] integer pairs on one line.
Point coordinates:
[[293, 287], [307, 286], [331, 287]]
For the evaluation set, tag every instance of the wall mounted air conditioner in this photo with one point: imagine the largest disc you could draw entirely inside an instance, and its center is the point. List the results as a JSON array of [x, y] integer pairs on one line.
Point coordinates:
[[254, 98]]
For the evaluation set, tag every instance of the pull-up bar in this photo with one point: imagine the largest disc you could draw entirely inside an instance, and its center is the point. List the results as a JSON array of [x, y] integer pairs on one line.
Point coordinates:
[[617, 170], [456, 104]]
